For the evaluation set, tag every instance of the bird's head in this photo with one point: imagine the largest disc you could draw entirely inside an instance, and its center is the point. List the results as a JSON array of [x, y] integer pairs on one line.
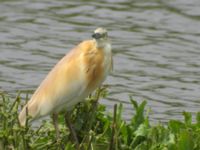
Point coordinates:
[[100, 35]]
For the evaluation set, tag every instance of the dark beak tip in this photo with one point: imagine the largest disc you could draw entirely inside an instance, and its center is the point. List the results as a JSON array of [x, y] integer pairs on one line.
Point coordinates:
[[93, 35]]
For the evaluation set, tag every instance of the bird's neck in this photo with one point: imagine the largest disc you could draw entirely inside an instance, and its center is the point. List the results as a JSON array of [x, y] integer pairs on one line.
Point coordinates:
[[102, 43]]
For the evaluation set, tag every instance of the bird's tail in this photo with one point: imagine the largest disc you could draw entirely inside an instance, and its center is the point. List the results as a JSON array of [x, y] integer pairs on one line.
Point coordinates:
[[29, 110], [23, 115]]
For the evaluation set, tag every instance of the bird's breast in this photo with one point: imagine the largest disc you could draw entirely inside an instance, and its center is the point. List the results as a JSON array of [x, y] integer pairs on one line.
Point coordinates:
[[97, 66]]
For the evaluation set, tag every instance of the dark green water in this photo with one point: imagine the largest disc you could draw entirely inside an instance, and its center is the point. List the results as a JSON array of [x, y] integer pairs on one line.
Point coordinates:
[[156, 46]]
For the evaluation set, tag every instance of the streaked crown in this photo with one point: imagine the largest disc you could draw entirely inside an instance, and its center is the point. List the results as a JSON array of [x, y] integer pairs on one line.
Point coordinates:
[[100, 33]]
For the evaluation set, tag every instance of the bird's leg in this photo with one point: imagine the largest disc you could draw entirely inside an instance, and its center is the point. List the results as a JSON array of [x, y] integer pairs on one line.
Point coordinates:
[[55, 122], [71, 129]]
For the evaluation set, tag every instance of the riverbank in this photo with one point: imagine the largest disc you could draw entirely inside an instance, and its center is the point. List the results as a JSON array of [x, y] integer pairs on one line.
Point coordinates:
[[97, 129]]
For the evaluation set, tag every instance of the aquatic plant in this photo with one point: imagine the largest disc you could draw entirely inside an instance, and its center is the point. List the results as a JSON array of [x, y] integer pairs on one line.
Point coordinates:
[[97, 129]]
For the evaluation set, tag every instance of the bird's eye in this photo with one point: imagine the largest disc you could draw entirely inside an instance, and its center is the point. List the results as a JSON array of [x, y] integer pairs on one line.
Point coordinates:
[[97, 35]]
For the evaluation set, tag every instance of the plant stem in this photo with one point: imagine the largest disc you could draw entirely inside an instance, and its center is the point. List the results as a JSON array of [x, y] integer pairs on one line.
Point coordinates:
[[113, 138]]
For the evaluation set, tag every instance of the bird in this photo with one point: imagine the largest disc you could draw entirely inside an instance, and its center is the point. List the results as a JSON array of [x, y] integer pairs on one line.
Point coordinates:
[[72, 79]]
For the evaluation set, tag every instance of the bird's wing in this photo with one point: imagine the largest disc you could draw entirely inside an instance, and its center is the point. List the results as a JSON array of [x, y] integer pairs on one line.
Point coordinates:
[[63, 83]]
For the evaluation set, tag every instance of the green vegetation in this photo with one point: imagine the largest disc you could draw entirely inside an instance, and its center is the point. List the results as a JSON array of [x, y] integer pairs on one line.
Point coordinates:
[[97, 130]]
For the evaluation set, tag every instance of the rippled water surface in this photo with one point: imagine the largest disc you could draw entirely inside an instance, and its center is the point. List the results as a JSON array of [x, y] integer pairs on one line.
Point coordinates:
[[156, 46]]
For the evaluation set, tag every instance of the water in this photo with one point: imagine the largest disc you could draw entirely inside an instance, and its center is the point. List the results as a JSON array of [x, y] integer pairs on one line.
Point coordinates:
[[156, 46]]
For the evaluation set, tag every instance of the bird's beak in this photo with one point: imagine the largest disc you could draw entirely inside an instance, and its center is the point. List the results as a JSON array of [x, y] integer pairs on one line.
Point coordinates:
[[96, 35]]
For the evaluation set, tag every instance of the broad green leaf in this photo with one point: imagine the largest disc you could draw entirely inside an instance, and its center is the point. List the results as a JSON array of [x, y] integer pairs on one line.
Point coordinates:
[[175, 126], [187, 118], [142, 130], [198, 118], [185, 141]]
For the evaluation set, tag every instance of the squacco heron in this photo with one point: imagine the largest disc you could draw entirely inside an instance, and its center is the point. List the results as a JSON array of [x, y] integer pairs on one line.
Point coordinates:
[[72, 79]]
